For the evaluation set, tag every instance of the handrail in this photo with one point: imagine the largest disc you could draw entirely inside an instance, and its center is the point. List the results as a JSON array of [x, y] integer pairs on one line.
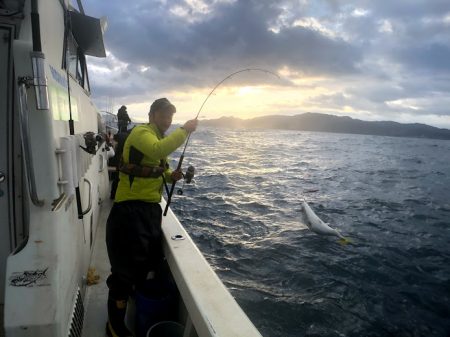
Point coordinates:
[[26, 148], [211, 307], [102, 166], [90, 198]]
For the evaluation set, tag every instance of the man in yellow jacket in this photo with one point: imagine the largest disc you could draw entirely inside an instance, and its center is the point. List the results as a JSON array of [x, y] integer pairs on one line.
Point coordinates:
[[133, 232]]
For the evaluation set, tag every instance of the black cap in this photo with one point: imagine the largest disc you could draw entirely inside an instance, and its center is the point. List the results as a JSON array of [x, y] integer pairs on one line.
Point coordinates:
[[162, 104]]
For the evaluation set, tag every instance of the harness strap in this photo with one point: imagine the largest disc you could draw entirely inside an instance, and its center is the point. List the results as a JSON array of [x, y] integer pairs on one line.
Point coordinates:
[[142, 171]]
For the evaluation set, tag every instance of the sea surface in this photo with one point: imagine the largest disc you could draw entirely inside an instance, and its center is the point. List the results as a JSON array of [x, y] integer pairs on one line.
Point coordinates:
[[389, 196]]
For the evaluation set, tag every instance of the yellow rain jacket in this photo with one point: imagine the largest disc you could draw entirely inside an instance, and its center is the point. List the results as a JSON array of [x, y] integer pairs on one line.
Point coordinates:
[[153, 148]]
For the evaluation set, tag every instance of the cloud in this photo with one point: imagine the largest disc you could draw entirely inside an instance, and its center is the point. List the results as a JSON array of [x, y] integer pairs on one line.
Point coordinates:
[[229, 36], [365, 53]]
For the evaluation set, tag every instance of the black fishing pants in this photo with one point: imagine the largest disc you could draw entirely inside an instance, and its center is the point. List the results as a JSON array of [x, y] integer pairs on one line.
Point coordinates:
[[134, 243]]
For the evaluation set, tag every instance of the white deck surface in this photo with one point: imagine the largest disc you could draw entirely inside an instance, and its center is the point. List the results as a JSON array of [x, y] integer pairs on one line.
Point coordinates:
[[96, 295]]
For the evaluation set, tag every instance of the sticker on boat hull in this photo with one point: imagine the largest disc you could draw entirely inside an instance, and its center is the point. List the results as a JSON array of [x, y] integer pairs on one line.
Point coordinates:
[[29, 278]]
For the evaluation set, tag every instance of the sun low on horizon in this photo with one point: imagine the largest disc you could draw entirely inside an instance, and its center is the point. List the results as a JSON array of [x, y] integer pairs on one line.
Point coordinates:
[[288, 93], [245, 101], [369, 61]]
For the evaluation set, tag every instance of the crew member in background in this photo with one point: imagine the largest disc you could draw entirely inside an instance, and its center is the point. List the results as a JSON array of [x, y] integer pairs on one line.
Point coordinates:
[[123, 119], [133, 233]]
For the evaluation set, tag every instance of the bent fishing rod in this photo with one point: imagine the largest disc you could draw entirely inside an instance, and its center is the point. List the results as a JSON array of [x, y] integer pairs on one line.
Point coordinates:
[[180, 161]]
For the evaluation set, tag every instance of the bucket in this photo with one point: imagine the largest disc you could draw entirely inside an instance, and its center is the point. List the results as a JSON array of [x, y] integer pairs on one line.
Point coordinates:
[[166, 329], [155, 302]]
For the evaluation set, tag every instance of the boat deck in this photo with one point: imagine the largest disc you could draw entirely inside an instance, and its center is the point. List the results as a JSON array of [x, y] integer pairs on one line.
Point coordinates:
[[96, 295], [206, 307]]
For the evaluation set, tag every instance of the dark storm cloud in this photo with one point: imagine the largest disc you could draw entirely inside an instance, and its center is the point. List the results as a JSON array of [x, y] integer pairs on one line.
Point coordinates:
[[380, 51], [411, 9], [232, 35], [425, 58], [420, 37]]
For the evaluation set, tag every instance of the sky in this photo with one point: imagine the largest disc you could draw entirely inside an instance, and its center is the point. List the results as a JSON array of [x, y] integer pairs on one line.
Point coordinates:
[[370, 60]]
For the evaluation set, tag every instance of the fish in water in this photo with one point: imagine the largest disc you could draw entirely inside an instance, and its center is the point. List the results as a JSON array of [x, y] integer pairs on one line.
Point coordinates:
[[316, 225]]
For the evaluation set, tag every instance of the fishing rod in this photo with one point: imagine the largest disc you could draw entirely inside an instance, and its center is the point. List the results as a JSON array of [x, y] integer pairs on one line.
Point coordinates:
[[180, 161]]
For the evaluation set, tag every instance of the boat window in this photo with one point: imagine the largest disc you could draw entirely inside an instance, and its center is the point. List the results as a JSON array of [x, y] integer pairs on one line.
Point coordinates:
[[85, 37], [76, 62]]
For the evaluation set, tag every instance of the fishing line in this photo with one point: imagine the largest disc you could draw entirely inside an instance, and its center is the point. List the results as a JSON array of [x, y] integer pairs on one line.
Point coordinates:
[[180, 162]]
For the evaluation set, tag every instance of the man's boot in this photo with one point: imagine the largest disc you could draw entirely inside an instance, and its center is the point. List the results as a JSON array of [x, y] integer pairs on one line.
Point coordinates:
[[117, 309]]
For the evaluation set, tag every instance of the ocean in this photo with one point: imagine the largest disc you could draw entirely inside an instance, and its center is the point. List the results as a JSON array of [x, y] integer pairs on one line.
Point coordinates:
[[389, 196]]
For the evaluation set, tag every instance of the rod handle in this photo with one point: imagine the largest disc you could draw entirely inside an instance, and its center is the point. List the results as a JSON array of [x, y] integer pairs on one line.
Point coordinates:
[[172, 188]]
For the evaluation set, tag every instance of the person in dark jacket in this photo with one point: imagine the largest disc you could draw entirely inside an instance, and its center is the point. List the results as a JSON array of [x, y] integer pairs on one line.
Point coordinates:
[[123, 119]]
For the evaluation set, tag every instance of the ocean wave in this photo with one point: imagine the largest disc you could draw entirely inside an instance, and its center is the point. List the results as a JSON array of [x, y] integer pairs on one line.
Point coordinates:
[[388, 195]]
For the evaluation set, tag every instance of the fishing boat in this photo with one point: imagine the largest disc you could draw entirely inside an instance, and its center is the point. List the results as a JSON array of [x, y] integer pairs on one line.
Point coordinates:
[[54, 189]]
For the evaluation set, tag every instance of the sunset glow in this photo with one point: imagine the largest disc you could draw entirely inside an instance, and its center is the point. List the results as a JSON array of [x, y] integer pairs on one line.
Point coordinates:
[[369, 61]]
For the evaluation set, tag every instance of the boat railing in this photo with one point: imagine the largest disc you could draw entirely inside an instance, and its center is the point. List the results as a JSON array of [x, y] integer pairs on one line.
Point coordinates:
[[26, 147], [212, 310]]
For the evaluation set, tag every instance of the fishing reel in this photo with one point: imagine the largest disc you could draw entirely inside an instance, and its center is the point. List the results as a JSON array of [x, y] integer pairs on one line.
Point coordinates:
[[92, 140], [190, 172]]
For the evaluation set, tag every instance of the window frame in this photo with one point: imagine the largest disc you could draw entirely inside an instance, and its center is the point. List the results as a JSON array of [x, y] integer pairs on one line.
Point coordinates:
[[80, 73]]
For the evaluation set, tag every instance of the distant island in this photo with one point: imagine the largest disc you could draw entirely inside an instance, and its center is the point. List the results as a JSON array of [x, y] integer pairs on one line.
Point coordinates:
[[329, 123]]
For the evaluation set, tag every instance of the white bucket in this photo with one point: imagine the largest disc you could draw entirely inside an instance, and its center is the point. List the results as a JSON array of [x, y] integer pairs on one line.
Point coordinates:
[[166, 329]]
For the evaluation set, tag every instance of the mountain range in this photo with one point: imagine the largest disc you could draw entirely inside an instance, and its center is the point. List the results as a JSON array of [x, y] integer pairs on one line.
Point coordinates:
[[329, 123]]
